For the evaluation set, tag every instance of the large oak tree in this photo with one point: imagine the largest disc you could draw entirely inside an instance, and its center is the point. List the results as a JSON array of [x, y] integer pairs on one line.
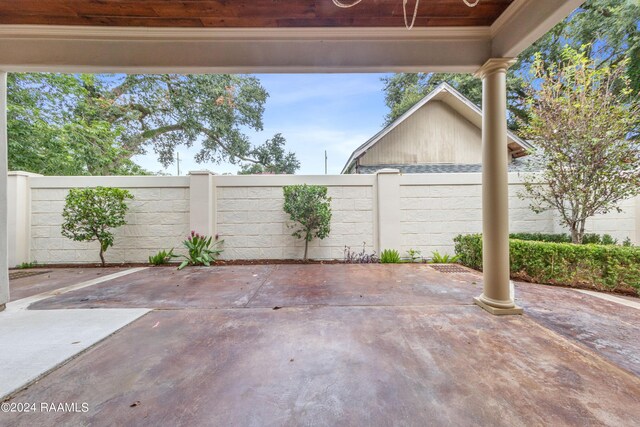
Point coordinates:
[[93, 124]]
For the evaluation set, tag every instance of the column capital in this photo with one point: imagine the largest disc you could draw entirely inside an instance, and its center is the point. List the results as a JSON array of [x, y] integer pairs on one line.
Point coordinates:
[[494, 65]]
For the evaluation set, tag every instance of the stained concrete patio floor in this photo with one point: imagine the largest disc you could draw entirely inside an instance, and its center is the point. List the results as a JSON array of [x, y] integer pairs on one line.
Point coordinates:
[[348, 345], [48, 279]]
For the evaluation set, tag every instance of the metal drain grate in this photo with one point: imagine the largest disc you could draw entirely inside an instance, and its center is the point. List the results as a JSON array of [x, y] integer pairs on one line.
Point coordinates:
[[449, 268], [13, 275]]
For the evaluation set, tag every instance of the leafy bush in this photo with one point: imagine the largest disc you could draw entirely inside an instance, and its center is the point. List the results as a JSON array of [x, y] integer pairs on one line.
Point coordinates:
[[360, 257], [606, 239], [26, 265], [436, 258], [414, 255], [310, 209], [90, 213], [468, 249], [201, 250], [161, 257], [601, 267], [589, 238], [542, 237], [390, 256]]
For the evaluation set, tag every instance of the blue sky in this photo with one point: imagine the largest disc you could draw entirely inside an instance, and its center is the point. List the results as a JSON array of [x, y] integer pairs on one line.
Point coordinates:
[[314, 112]]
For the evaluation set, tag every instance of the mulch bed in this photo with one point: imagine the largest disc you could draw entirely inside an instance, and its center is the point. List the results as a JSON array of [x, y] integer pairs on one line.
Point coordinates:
[[174, 265]]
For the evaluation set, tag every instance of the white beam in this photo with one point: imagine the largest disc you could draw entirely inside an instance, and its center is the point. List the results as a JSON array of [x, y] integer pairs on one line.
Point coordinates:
[[4, 229], [164, 50], [525, 21]]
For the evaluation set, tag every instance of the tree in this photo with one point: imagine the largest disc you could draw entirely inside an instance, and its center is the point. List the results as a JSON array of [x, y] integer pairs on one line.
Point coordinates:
[[271, 158], [404, 90], [582, 114], [609, 27], [90, 213], [103, 120], [310, 209], [50, 131]]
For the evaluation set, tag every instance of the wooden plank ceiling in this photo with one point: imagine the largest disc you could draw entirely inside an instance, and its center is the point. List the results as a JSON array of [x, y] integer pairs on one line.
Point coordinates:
[[246, 13]]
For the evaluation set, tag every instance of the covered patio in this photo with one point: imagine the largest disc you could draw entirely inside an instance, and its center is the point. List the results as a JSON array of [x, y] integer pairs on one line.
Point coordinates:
[[338, 345], [313, 344], [296, 36]]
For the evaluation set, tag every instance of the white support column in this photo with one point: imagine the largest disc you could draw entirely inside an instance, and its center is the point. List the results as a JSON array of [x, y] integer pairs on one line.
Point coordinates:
[[4, 229], [202, 207], [19, 217], [388, 207], [496, 297]]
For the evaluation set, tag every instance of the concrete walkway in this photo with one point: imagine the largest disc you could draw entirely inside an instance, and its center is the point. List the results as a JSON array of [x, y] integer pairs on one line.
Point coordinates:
[[34, 343], [343, 345]]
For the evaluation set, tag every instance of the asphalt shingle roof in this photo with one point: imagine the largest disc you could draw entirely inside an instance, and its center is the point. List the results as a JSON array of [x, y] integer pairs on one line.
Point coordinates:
[[516, 165]]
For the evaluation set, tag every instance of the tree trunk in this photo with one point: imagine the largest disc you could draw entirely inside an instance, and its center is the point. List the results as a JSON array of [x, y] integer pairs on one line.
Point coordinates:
[[582, 224], [577, 231], [306, 247], [102, 255]]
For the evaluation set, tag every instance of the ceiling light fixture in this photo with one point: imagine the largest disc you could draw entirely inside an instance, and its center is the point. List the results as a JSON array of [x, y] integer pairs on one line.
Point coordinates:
[[470, 3]]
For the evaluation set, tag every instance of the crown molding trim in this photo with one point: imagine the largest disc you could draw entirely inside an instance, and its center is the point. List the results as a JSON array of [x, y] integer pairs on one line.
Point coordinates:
[[185, 34]]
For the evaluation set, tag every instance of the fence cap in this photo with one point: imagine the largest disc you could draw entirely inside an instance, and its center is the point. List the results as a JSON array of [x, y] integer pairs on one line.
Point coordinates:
[[202, 172]]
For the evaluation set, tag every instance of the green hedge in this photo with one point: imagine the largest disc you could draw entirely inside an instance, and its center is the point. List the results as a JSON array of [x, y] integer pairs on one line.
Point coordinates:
[[588, 238], [602, 267]]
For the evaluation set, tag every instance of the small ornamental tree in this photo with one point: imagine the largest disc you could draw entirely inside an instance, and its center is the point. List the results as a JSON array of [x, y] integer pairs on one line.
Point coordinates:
[[90, 213], [310, 209], [583, 119]]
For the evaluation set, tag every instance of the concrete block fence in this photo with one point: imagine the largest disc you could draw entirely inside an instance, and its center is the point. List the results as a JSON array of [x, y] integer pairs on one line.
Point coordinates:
[[385, 211]]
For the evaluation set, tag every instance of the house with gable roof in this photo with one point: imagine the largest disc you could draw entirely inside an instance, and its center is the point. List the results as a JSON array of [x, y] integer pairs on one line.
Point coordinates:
[[440, 134]]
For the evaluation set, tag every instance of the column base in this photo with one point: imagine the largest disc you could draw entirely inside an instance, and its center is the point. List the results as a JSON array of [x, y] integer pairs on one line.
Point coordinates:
[[515, 310]]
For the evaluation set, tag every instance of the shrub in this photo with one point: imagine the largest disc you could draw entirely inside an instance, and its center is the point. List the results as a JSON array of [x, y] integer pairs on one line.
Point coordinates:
[[468, 248], [602, 267], [161, 257], [436, 258], [201, 250], [390, 256], [589, 238], [596, 239], [26, 265], [91, 213], [542, 237], [360, 257], [310, 209], [414, 255]]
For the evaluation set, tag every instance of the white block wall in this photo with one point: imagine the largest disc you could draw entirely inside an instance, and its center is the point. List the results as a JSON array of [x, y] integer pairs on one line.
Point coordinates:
[[246, 211], [158, 218], [253, 225], [619, 225], [432, 215]]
